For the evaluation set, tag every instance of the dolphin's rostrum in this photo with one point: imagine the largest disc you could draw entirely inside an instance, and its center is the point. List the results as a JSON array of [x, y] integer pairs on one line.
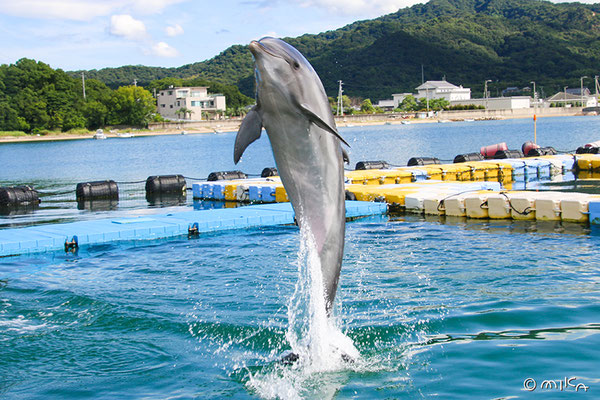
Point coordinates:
[[292, 106]]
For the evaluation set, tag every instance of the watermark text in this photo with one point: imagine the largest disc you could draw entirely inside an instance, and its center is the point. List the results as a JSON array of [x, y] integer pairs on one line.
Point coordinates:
[[560, 385]]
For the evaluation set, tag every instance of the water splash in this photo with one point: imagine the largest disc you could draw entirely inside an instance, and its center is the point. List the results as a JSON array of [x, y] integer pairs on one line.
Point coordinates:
[[312, 335], [324, 352]]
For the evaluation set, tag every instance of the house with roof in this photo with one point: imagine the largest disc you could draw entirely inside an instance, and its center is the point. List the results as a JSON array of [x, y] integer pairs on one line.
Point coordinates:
[[573, 97], [443, 90], [189, 103]]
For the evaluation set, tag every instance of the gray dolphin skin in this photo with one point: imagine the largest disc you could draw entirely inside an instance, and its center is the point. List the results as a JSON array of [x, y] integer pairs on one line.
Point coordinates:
[[292, 106]]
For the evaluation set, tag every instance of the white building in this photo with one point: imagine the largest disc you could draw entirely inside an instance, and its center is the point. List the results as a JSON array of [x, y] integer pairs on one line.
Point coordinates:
[[443, 90], [497, 103], [394, 102], [194, 100]]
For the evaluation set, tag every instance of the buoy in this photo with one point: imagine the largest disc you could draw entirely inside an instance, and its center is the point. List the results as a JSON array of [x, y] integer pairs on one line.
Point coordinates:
[[491, 150], [587, 150], [508, 154], [174, 184], [364, 165], [18, 195], [593, 144], [468, 157], [106, 190], [422, 161], [269, 171], [528, 146], [541, 151], [226, 175]]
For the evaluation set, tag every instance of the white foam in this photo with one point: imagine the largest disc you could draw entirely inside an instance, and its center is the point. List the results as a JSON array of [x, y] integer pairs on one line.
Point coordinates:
[[312, 335]]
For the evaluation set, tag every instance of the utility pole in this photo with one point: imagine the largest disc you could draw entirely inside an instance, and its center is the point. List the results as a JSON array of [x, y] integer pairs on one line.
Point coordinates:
[[486, 94], [597, 86], [340, 102], [83, 83], [581, 92], [422, 75], [534, 113], [565, 94]]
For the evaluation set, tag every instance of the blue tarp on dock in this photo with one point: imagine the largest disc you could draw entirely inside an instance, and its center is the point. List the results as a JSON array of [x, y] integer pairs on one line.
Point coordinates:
[[51, 237]]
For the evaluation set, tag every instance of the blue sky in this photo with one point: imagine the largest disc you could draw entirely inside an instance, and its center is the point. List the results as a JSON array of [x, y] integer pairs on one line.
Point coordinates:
[[93, 34]]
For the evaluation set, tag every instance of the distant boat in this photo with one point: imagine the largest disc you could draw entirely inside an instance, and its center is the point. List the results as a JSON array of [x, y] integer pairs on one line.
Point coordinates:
[[184, 132], [125, 135], [217, 130], [99, 134], [443, 121], [405, 122], [469, 120]]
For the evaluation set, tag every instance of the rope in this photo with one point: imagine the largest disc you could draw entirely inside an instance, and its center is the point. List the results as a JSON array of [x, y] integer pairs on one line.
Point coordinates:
[[195, 179], [526, 211], [455, 194], [130, 183], [55, 193], [566, 151]]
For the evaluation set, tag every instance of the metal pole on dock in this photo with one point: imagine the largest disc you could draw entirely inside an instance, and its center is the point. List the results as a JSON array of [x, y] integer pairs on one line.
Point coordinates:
[[534, 128]]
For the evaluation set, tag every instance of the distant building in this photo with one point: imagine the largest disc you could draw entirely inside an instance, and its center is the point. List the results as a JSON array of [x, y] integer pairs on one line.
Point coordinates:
[[386, 104], [497, 103], [443, 90], [394, 102], [577, 92], [572, 97], [195, 101]]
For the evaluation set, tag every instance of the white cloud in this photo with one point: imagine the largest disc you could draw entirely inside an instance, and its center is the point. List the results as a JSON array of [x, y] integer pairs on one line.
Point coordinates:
[[151, 6], [80, 10], [162, 49], [128, 27], [174, 30], [57, 9]]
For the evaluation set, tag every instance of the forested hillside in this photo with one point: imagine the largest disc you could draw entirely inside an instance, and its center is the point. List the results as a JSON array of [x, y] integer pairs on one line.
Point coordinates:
[[35, 98], [511, 42]]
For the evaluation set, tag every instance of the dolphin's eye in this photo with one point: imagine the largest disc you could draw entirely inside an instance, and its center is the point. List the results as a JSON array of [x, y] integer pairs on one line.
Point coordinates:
[[296, 65]]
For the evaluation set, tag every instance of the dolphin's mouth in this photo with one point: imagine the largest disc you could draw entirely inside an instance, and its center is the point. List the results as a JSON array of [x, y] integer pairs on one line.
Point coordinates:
[[256, 46]]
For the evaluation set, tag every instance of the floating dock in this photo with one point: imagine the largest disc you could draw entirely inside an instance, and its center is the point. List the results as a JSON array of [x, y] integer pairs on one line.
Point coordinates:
[[491, 189], [511, 173], [52, 237]]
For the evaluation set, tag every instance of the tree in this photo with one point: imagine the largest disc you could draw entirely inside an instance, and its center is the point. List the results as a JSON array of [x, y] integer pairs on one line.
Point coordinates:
[[367, 107], [131, 105], [409, 103], [95, 114], [438, 104], [10, 119]]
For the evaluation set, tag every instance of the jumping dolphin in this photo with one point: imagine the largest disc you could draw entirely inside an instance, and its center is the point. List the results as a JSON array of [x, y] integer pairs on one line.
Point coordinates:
[[292, 106]]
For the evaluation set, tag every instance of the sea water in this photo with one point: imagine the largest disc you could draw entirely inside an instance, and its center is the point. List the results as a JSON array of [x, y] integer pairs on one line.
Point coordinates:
[[434, 308]]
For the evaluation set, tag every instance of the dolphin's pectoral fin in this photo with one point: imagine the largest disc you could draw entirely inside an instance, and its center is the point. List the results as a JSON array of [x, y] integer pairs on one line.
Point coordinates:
[[345, 156], [250, 130], [313, 117]]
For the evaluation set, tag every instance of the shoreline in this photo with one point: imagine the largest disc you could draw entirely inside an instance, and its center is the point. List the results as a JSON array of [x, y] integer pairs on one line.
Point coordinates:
[[356, 120]]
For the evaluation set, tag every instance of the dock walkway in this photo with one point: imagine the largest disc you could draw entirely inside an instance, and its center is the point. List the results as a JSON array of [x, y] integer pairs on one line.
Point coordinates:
[[52, 237]]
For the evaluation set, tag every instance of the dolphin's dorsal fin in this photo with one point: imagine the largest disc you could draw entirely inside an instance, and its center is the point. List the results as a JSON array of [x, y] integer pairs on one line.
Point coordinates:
[[313, 117], [250, 130]]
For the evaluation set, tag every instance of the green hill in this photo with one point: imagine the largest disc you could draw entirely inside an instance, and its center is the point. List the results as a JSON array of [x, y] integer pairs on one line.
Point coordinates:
[[511, 42]]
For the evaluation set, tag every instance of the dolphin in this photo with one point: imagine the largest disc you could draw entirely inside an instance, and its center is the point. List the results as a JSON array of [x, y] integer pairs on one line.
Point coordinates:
[[292, 106]]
